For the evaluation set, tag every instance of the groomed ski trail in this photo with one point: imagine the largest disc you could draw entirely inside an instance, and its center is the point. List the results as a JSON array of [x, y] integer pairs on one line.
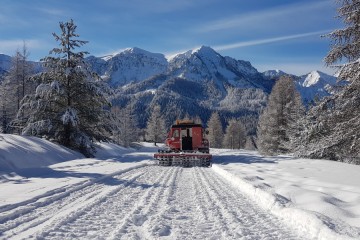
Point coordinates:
[[149, 202]]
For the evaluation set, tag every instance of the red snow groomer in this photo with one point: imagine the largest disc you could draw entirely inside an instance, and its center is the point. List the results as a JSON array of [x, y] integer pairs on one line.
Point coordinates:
[[186, 146]]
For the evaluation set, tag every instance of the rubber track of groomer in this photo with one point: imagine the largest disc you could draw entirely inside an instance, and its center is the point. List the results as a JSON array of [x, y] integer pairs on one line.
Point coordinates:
[[149, 202]]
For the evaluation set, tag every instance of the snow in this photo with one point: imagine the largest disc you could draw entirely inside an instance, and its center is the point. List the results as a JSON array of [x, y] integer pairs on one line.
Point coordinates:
[[19, 152], [314, 77], [274, 73], [45, 166], [316, 195], [315, 84], [204, 63], [50, 192], [130, 65]]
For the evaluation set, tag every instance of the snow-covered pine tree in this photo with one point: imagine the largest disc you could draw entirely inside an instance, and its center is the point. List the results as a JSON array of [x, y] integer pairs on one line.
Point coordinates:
[[277, 123], [156, 129], [234, 137], [69, 104], [216, 133], [334, 124]]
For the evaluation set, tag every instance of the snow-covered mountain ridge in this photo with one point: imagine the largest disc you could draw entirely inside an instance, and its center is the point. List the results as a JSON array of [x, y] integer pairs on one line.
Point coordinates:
[[195, 82], [134, 65], [313, 85], [130, 65]]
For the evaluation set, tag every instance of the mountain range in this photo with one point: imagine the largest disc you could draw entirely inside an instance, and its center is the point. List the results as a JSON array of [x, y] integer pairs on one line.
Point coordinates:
[[194, 83]]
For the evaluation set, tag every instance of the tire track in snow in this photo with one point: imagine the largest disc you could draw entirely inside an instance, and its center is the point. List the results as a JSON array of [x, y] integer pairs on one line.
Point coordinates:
[[158, 222], [188, 214], [150, 203], [132, 226], [243, 218], [99, 219], [38, 215]]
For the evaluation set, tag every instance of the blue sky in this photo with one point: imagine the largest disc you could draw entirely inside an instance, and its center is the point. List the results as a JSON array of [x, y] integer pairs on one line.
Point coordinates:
[[276, 34]]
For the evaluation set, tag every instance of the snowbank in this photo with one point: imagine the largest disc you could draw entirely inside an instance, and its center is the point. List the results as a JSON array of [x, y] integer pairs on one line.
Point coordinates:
[[18, 152], [33, 168], [318, 196]]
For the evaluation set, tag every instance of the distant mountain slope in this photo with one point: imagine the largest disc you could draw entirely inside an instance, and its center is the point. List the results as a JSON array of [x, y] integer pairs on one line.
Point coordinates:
[[202, 64], [205, 63], [274, 74], [313, 85], [195, 83], [131, 65], [5, 63]]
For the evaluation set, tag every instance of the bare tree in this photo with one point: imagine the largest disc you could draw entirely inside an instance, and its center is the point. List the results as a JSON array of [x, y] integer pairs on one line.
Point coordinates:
[[234, 137], [155, 129], [15, 87], [125, 130], [275, 126], [216, 133]]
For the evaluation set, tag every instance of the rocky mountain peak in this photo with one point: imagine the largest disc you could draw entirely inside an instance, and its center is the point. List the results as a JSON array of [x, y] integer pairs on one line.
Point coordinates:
[[317, 78]]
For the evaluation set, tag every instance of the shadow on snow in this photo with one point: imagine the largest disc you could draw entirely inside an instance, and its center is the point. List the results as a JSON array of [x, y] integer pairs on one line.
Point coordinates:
[[244, 158]]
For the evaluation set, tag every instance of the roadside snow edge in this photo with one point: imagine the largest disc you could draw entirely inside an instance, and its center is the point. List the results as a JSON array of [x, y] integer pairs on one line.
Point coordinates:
[[317, 226]]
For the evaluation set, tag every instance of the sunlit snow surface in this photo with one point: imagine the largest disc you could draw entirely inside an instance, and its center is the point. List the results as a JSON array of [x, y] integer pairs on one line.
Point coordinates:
[[121, 194], [326, 189]]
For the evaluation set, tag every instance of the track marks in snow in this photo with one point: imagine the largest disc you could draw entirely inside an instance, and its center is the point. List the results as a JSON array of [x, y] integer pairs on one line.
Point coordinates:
[[153, 198], [202, 205], [149, 203], [25, 220], [242, 218]]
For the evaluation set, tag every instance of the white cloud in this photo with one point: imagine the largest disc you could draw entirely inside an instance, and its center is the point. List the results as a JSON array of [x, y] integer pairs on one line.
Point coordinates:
[[268, 40], [280, 15], [53, 11], [18, 43], [10, 46]]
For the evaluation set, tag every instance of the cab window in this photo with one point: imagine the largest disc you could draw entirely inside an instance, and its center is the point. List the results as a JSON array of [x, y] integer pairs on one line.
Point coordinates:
[[176, 133]]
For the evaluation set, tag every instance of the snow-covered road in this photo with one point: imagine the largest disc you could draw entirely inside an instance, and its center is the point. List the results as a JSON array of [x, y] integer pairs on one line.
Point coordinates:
[[147, 202]]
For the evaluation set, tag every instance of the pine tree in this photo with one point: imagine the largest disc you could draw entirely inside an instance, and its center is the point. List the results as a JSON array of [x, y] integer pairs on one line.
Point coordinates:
[[234, 137], [333, 130], [216, 133], [156, 129], [69, 104], [277, 124]]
